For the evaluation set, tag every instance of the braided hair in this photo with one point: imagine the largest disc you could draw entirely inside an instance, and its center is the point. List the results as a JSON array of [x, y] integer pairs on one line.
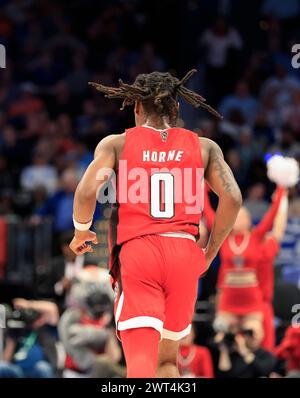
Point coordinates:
[[158, 93]]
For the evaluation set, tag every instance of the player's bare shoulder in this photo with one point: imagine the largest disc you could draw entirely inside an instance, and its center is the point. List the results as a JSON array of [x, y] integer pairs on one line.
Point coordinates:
[[113, 142], [217, 172], [209, 149]]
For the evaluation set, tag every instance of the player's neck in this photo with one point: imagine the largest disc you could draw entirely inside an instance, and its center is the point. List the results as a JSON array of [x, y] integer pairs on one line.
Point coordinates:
[[157, 123]]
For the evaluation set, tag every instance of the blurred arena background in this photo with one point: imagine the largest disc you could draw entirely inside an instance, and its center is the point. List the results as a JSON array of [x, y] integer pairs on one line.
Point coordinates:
[[51, 122]]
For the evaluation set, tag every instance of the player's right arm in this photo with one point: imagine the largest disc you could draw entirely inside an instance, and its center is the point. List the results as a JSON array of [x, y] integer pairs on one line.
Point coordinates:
[[221, 180], [94, 177]]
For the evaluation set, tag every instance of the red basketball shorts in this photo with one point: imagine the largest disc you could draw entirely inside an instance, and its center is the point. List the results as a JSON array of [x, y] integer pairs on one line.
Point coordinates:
[[159, 278]]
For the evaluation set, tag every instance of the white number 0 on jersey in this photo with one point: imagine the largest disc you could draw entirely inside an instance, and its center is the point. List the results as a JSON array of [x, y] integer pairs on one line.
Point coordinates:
[[162, 185]]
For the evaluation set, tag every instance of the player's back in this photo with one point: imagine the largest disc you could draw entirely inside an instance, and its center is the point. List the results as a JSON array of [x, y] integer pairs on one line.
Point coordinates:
[[159, 182]]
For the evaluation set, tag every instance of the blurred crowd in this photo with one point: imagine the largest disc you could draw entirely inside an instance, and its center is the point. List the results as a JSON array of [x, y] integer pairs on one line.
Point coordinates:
[[51, 122]]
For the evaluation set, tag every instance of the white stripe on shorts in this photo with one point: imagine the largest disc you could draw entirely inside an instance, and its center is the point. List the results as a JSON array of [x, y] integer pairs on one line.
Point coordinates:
[[178, 235]]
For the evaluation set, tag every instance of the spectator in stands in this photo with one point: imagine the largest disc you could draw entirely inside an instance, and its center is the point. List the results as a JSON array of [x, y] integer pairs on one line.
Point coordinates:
[[267, 115], [85, 328], [239, 295], [39, 174], [248, 148], [280, 9], [63, 270], [238, 354], [290, 114], [7, 181], [281, 86], [59, 206], [148, 60], [194, 360], [289, 350], [30, 350], [221, 42], [77, 79], [286, 144], [10, 147], [235, 162], [294, 203], [255, 201], [27, 103], [241, 100], [61, 101]]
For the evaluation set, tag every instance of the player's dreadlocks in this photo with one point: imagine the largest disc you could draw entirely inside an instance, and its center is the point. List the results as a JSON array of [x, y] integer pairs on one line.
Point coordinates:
[[158, 93]]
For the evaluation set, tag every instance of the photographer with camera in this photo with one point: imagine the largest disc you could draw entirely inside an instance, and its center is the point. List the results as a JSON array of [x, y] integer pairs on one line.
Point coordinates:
[[86, 329], [30, 343], [237, 352]]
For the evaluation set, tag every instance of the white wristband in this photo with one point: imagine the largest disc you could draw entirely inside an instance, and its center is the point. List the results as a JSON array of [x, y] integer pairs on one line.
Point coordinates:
[[82, 227]]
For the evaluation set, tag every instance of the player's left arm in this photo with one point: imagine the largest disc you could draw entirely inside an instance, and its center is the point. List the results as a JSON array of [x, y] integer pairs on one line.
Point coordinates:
[[220, 178], [98, 172]]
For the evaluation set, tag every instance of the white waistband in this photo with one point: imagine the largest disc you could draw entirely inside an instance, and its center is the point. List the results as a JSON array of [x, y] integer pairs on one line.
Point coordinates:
[[178, 235]]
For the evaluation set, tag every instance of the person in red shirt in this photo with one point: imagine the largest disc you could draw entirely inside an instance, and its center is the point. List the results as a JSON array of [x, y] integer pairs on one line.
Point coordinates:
[[27, 104], [269, 250], [289, 349], [158, 171], [240, 296], [194, 360]]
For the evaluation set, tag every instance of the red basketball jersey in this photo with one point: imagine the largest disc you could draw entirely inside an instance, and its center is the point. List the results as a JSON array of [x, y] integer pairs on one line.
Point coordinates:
[[159, 183]]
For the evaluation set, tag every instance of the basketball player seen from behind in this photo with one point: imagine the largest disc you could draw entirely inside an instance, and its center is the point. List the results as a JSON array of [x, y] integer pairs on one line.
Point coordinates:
[[155, 261]]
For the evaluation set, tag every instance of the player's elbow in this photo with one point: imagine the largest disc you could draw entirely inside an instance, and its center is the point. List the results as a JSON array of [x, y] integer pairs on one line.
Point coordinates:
[[238, 199]]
